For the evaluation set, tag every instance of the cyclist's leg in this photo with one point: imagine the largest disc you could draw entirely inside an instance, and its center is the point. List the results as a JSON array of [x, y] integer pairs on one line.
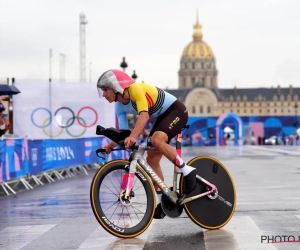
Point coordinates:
[[169, 126], [153, 159]]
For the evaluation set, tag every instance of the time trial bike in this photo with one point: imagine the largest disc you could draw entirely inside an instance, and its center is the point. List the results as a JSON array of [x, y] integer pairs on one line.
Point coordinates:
[[123, 197]]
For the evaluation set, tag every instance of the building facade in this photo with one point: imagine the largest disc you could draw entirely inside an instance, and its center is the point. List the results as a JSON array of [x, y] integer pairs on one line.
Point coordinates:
[[198, 88]]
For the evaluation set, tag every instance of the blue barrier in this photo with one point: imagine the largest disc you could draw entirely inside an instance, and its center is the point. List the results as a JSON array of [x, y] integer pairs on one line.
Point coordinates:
[[19, 157], [14, 159]]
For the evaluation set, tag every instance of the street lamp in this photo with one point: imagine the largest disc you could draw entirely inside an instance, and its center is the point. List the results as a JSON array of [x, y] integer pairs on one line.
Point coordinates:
[[134, 76], [124, 64]]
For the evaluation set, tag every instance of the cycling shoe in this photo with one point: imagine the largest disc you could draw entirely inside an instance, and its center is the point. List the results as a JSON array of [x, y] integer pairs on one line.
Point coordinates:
[[190, 182], [159, 213]]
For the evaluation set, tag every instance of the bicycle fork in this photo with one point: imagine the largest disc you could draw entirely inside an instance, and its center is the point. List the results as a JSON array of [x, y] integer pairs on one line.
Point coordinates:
[[126, 185]]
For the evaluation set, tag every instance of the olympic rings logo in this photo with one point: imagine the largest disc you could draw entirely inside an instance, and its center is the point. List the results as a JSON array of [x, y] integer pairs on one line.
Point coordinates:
[[69, 123]]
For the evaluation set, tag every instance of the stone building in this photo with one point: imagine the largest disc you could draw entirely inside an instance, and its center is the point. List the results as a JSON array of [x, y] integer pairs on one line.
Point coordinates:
[[198, 88]]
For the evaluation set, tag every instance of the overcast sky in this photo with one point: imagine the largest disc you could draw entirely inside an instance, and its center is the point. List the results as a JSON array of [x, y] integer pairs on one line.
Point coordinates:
[[256, 43]]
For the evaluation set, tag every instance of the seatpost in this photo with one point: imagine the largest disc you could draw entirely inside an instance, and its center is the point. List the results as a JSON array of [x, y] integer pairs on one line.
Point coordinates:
[[178, 143], [176, 169]]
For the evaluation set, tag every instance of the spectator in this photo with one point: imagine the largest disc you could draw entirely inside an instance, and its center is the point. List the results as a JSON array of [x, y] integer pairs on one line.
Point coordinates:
[[3, 98], [4, 123]]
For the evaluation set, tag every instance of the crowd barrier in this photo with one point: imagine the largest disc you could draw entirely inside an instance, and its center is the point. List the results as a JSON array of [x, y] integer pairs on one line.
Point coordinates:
[[28, 160]]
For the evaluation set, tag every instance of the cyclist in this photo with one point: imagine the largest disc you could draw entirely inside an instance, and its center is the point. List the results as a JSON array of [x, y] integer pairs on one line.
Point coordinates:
[[147, 100]]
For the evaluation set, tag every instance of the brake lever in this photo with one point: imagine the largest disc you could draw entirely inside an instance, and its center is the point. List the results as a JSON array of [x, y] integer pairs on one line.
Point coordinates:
[[101, 151]]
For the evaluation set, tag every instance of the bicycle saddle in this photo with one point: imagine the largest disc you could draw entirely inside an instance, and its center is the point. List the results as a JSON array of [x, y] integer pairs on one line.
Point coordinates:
[[112, 133]]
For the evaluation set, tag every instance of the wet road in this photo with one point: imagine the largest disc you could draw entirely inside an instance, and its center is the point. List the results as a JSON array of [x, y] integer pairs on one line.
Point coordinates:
[[59, 215]]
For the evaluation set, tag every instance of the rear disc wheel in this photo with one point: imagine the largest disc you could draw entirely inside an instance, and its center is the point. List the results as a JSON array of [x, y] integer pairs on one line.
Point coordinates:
[[215, 210]]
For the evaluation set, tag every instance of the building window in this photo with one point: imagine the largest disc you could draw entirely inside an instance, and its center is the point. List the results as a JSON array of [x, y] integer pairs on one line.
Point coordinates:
[[193, 65], [201, 109], [275, 110], [251, 111], [193, 110], [184, 82], [268, 111], [202, 65], [251, 105], [282, 110], [260, 111], [208, 109], [245, 104], [238, 111], [193, 80], [212, 81]]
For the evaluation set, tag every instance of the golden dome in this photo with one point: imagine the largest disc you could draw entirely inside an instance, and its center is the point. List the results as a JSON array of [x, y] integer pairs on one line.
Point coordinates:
[[197, 48]]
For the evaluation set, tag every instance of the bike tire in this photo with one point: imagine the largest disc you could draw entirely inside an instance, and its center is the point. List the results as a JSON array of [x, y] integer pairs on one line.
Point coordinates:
[[205, 212], [96, 205]]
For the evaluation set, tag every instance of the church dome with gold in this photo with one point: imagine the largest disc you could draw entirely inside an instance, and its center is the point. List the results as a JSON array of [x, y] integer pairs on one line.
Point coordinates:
[[197, 48], [197, 63]]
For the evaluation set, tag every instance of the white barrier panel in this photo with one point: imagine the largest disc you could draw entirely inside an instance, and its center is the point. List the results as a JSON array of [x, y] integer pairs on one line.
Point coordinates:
[[60, 110]]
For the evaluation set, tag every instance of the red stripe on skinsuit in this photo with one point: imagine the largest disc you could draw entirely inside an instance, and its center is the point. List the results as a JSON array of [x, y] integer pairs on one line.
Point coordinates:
[[149, 102], [150, 99]]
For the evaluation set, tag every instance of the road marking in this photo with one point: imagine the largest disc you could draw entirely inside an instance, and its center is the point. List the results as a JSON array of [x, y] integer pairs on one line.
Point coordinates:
[[241, 232], [19, 236], [101, 239]]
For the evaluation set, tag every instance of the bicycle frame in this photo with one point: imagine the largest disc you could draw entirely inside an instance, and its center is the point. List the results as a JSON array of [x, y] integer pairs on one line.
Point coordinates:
[[137, 157]]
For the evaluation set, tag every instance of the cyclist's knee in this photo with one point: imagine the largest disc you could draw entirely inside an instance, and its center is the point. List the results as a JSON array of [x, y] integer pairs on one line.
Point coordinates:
[[157, 138]]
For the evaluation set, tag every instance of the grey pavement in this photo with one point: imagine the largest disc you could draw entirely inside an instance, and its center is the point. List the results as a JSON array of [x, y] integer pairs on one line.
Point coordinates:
[[59, 215]]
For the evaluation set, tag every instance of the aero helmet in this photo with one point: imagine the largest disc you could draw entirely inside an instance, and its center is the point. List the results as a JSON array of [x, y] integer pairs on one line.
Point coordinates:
[[2, 108], [114, 79]]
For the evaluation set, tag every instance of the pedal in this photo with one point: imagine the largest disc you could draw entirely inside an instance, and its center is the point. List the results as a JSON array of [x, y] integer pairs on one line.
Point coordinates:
[[170, 209]]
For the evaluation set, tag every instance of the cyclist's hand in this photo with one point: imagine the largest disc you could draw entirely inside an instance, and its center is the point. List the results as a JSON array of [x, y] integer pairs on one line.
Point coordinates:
[[108, 149], [129, 141]]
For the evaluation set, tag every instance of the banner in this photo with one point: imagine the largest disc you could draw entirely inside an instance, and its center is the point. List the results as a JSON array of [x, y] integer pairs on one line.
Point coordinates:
[[53, 154], [14, 159], [19, 157], [60, 110]]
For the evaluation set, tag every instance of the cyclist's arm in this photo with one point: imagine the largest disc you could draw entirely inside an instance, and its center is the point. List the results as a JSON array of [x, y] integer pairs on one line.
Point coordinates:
[[140, 124], [123, 122], [138, 96]]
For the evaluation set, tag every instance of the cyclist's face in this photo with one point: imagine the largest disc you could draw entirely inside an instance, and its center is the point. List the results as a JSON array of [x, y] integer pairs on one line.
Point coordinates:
[[109, 94]]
